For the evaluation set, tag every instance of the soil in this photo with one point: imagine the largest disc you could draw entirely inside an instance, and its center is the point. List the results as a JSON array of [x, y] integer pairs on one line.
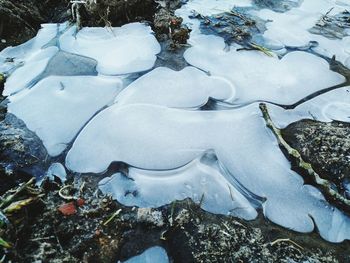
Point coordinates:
[[41, 233]]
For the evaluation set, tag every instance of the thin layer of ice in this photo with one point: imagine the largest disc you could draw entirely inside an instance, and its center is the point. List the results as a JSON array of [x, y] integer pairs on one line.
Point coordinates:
[[56, 108], [151, 255], [292, 28], [200, 180], [67, 64], [55, 170], [159, 138], [58, 170], [212, 7], [192, 87], [257, 76], [206, 8], [23, 77], [330, 106], [10, 57], [121, 50]]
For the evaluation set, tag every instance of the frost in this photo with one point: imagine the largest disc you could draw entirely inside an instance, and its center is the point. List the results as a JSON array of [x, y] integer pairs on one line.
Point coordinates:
[[117, 50], [57, 107], [151, 255]]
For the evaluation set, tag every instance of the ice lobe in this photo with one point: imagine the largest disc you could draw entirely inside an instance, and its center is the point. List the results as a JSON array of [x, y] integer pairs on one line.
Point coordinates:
[[188, 88], [330, 106], [56, 108], [292, 28], [151, 255], [35, 65], [20, 53], [153, 137], [257, 76], [55, 170], [117, 50], [200, 180], [25, 62]]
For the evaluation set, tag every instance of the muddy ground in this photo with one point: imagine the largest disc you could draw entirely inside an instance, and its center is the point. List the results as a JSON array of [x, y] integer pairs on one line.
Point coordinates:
[[98, 229], [73, 222]]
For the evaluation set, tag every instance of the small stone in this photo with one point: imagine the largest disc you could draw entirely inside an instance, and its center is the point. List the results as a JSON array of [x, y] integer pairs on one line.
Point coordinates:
[[148, 215]]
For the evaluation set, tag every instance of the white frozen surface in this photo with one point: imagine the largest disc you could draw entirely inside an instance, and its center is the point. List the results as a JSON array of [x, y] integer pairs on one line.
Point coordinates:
[[257, 76], [21, 53], [206, 8], [55, 170], [151, 255], [200, 180], [159, 138], [121, 50], [222, 159], [188, 88], [56, 108], [292, 27], [58, 170], [212, 7], [332, 105], [24, 76]]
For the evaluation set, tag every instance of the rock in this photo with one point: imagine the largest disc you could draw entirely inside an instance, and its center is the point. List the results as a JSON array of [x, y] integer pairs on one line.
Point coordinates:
[[150, 216], [183, 217], [117, 12], [20, 19], [22, 154], [68, 209], [325, 145]]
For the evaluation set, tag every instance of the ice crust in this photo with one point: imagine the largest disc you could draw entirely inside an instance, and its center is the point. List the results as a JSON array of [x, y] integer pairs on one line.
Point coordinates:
[[30, 59], [24, 76], [201, 180], [257, 76], [151, 255], [154, 137], [58, 107], [289, 29], [117, 50], [292, 28], [192, 86], [224, 158], [206, 8], [331, 106]]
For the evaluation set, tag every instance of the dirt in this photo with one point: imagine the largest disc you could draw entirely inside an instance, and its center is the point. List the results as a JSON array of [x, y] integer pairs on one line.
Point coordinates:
[[102, 230]]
